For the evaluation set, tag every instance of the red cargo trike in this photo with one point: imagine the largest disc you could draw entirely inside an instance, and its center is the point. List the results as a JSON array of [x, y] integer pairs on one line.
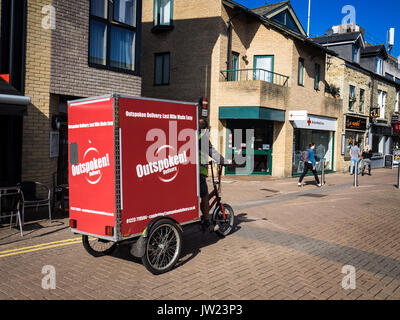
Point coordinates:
[[133, 177]]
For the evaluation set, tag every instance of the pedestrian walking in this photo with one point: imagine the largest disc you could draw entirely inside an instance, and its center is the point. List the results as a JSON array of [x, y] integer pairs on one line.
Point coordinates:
[[309, 164], [366, 156], [355, 157]]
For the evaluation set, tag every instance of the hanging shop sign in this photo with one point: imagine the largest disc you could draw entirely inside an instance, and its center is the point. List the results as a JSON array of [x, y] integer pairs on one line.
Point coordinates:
[[355, 123], [316, 123], [298, 115]]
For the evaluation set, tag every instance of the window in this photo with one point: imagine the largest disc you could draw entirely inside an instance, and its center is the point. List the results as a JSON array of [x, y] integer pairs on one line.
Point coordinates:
[[113, 34], [235, 66], [300, 79], [317, 76], [161, 68], [389, 76], [397, 80], [264, 68], [163, 12], [362, 100], [396, 106], [352, 98], [382, 103], [356, 54], [379, 65], [286, 19]]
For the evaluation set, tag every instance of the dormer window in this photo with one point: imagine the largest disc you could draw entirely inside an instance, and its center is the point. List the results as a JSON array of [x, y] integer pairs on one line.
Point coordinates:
[[379, 65], [356, 54]]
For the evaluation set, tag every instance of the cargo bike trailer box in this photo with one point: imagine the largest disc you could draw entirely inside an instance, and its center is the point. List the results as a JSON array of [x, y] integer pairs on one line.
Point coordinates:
[[133, 169]]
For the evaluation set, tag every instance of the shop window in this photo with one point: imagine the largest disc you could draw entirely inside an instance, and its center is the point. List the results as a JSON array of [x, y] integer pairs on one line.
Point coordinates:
[[113, 34], [300, 78], [378, 142], [162, 69], [350, 139], [323, 148], [352, 98], [163, 12], [362, 101]]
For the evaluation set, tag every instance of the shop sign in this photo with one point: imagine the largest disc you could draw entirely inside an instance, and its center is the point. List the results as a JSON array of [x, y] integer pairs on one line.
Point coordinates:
[[316, 123], [396, 155], [354, 123], [375, 113], [396, 127], [395, 118], [298, 115]]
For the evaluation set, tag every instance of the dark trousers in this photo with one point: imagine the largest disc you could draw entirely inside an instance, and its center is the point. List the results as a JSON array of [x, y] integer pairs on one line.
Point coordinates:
[[308, 167]]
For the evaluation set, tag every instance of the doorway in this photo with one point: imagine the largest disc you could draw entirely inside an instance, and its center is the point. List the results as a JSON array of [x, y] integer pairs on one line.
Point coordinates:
[[249, 142]]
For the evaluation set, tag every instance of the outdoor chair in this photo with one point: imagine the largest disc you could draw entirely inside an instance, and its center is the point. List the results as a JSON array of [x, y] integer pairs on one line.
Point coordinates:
[[30, 197], [10, 203]]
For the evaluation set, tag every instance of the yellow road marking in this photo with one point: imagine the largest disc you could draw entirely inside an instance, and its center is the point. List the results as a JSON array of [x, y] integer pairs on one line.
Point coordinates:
[[42, 246]]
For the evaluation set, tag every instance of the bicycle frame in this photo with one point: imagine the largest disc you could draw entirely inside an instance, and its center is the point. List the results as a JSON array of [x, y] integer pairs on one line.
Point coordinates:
[[214, 196]]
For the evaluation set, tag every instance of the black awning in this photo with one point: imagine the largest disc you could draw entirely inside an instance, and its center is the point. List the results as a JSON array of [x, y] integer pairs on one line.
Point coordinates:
[[13, 109]]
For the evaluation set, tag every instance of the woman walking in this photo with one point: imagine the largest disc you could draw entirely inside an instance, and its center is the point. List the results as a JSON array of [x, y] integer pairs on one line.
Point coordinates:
[[309, 164]]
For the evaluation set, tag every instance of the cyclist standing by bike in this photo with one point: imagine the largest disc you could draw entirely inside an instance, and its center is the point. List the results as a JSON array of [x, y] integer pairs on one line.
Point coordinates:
[[206, 150]]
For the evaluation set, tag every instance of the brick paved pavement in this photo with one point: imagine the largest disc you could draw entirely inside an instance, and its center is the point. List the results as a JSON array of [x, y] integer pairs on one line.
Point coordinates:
[[289, 243]]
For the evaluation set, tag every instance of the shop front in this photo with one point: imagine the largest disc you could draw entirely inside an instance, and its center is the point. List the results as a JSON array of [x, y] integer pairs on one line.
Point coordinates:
[[380, 140], [355, 131], [249, 138], [321, 131]]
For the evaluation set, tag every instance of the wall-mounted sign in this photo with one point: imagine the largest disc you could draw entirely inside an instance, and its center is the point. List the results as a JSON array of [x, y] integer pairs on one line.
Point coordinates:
[[316, 123], [355, 123], [298, 115], [54, 143], [396, 127], [395, 118], [375, 113]]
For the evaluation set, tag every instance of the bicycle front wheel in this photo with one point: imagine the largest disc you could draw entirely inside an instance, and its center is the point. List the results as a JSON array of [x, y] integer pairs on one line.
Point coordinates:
[[225, 224]]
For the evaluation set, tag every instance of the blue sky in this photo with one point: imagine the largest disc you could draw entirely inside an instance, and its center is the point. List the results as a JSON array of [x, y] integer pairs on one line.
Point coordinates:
[[375, 16]]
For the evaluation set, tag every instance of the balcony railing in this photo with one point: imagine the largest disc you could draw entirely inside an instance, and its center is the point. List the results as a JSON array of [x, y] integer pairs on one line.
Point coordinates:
[[254, 74]]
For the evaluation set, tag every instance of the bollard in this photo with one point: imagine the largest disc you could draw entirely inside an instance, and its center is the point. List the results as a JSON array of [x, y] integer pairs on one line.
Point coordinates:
[[323, 172], [398, 176], [355, 183]]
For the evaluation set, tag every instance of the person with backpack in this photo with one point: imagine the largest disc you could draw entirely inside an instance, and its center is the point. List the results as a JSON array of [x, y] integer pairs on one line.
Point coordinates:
[[309, 164]]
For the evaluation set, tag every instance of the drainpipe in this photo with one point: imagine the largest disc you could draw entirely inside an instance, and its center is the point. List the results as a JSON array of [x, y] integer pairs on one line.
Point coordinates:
[[11, 52], [228, 55]]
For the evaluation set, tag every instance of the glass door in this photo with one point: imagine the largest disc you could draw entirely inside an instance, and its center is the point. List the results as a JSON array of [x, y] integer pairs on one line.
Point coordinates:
[[250, 144]]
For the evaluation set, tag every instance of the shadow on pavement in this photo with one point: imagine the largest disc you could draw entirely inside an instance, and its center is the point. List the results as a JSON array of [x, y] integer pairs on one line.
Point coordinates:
[[194, 239]]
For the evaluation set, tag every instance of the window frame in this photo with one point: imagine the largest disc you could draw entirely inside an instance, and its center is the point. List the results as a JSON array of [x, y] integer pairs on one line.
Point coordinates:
[[317, 76], [156, 21], [382, 103], [379, 64], [301, 66], [356, 49], [162, 69], [361, 103], [352, 102], [109, 22], [235, 68], [397, 102]]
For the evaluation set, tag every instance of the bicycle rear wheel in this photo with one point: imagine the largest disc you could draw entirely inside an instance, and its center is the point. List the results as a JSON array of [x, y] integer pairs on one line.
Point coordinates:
[[98, 247], [225, 224]]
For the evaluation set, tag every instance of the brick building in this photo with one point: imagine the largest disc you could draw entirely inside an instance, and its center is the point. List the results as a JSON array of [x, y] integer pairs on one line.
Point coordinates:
[[254, 66], [65, 50]]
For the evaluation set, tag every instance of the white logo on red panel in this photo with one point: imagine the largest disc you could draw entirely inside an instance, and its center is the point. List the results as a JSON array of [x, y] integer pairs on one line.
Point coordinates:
[[167, 168], [92, 166]]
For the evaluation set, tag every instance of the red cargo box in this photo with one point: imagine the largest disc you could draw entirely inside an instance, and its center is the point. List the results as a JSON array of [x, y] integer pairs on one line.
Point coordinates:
[[131, 161]]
